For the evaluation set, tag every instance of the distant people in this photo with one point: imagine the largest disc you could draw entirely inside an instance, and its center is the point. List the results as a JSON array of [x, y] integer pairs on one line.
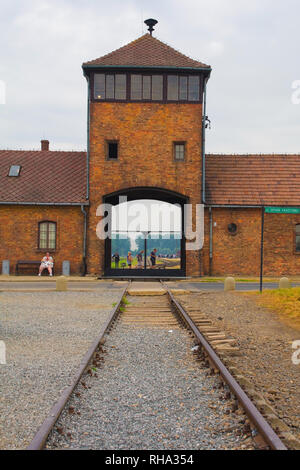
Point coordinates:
[[129, 259], [140, 259], [46, 263], [153, 257], [116, 257]]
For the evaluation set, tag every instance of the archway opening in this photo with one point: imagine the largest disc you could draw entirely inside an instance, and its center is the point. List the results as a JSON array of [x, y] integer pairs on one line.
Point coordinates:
[[146, 234]]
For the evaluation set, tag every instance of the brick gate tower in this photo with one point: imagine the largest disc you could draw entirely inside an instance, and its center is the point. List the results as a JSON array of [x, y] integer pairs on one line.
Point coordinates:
[[145, 127]]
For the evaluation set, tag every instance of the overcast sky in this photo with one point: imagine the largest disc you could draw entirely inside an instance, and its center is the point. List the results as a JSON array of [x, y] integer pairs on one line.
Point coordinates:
[[252, 46]]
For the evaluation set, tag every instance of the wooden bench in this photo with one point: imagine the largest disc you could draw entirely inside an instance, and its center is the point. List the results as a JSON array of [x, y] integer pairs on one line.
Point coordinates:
[[29, 263]]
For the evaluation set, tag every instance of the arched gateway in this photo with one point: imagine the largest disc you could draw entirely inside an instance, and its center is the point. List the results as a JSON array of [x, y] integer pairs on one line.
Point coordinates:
[[145, 127], [145, 221]]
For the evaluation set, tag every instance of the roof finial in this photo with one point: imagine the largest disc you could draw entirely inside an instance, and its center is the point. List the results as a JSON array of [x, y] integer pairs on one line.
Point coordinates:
[[150, 23]]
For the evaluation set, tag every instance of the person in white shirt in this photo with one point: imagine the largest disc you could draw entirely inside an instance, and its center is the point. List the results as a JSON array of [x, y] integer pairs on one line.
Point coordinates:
[[46, 263]]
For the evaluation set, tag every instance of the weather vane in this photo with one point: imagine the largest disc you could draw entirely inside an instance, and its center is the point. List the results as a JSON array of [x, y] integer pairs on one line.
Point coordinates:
[[150, 23]]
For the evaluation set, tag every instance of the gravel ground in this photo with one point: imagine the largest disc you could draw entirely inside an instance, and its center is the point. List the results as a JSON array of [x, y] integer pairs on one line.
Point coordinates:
[[150, 393], [46, 335], [265, 343]]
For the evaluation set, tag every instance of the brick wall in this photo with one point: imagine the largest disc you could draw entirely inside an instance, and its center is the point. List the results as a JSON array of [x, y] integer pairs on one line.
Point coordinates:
[[145, 132], [240, 254], [19, 234], [280, 254]]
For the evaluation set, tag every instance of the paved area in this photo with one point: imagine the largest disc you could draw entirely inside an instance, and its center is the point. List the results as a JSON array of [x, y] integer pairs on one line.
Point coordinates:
[[219, 286], [137, 286], [46, 336], [146, 288], [75, 285]]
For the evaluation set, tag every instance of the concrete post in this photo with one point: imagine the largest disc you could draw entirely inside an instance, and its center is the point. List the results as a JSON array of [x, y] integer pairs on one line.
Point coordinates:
[[66, 268], [284, 283], [5, 267], [229, 284], [61, 284]]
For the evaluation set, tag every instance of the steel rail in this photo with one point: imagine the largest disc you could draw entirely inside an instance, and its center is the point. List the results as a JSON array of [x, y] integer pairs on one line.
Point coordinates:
[[250, 409], [39, 440]]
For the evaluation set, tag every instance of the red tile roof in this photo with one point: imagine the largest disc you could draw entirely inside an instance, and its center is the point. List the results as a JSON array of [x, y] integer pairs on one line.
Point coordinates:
[[60, 177], [147, 51], [45, 177], [253, 179]]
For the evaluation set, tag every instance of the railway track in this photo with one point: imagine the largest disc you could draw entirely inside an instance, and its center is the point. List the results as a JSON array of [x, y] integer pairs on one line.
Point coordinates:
[[164, 312]]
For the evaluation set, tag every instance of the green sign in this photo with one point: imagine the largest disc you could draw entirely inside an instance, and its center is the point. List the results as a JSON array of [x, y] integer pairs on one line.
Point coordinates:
[[282, 210]]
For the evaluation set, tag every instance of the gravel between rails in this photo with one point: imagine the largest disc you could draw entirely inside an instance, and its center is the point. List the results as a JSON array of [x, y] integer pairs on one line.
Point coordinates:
[[46, 335], [150, 393]]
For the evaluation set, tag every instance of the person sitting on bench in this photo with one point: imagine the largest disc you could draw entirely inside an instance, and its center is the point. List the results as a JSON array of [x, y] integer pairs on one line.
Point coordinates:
[[46, 263]]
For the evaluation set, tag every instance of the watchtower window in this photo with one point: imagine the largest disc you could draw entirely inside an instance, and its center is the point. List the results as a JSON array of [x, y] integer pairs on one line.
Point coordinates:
[[183, 88], [146, 87], [164, 87], [179, 151], [110, 86], [112, 150]]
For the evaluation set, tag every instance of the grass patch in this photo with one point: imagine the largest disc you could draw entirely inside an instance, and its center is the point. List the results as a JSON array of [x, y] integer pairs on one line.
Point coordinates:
[[286, 302], [125, 301]]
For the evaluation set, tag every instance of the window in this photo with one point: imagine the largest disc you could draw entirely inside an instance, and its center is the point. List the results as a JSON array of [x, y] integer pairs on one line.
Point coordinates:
[[172, 88], [112, 150], [232, 229], [157, 87], [179, 151], [166, 87], [183, 88], [194, 92], [47, 235], [109, 86], [146, 87], [297, 238], [14, 170], [136, 87]]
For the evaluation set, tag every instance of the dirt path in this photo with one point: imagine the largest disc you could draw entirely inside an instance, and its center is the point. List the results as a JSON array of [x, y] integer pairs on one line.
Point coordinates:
[[265, 343]]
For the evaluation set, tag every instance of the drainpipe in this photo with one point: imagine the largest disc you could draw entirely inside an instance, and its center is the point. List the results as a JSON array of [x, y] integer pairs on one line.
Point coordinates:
[[210, 240], [203, 141], [88, 142], [84, 241]]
